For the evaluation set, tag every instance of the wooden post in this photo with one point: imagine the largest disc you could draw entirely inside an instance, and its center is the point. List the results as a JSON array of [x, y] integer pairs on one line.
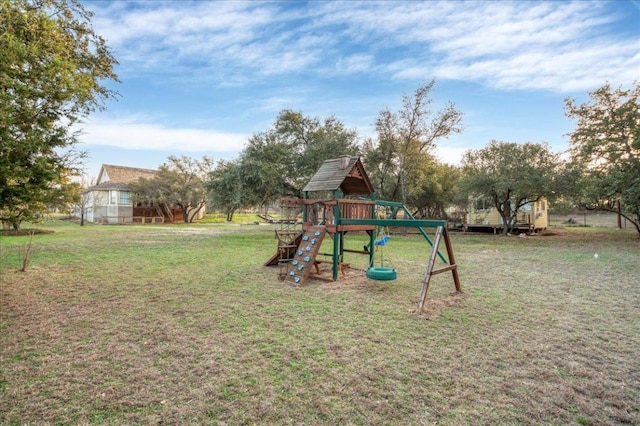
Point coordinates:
[[427, 275], [452, 262]]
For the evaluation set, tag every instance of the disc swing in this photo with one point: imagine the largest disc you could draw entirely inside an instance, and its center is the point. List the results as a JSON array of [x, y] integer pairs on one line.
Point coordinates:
[[381, 273]]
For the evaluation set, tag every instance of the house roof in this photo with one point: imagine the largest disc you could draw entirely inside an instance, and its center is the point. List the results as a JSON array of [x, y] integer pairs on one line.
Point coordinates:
[[344, 173], [122, 174], [119, 177]]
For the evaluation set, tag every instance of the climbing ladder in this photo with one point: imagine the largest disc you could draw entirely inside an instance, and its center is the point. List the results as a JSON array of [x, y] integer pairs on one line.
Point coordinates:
[[304, 259]]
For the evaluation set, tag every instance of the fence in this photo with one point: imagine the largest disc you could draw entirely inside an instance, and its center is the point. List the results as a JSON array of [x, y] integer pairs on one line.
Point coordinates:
[[587, 218]]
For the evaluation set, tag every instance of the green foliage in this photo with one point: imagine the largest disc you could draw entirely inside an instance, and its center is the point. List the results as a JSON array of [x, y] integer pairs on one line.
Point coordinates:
[[226, 189], [396, 159], [436, 187], [179, 183], [280, 161], [605, 147], [51, 68], [511, 174]]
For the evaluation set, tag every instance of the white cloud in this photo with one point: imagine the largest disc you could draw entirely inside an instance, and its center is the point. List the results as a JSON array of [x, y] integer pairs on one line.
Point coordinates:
[[560, 46], [139, 135], [355, 64]]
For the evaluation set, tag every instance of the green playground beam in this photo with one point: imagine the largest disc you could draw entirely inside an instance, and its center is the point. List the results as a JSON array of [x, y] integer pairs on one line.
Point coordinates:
[[396, 206], [406, 223]]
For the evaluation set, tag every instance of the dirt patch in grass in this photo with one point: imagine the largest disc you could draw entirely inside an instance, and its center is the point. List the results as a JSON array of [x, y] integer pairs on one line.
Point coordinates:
[[356, 280], [23, 232]]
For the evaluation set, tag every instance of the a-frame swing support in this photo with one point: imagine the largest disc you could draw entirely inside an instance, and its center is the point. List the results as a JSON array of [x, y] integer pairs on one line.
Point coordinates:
[[441, 231]]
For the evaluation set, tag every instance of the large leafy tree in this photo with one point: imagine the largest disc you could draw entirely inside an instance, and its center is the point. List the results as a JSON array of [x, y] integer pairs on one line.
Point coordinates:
[[511, 175], [605, 146], [436, 188], [310, 141], [180, 182], [281, 160], [52, 72], [405, 141], [227, 188]]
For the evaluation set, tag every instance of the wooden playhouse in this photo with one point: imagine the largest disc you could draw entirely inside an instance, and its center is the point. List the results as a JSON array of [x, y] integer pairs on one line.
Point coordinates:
[[339, 199]]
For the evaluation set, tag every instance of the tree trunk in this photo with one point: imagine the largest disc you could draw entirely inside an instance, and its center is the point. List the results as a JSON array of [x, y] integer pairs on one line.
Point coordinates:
[[194, 212]]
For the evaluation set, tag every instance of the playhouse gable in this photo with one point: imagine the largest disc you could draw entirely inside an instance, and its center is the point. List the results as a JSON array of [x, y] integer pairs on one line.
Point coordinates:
[[344, 173]]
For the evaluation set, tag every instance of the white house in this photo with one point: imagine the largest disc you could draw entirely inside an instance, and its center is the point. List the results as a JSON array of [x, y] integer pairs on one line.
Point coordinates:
[[109, 200]]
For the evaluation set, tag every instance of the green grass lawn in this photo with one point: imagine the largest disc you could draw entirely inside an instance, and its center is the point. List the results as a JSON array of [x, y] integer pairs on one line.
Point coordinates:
[[181, 324]]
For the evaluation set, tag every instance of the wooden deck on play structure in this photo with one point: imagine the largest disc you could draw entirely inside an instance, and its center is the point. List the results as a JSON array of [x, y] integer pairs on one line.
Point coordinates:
[[322, 212]]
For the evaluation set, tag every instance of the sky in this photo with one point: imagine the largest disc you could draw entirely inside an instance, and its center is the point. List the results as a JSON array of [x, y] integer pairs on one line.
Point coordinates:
[[200, 78]]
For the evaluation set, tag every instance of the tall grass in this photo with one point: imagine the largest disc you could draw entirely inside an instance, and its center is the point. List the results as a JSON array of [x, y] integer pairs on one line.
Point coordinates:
[[183, 325]]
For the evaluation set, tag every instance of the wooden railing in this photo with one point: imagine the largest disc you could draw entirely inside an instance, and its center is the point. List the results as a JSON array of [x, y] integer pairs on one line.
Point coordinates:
[[348, 208], [147, 219], [356, 209]]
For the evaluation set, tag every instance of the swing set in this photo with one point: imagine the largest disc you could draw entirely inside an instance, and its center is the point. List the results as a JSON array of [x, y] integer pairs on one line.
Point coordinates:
[[382, 237], [353, 207]]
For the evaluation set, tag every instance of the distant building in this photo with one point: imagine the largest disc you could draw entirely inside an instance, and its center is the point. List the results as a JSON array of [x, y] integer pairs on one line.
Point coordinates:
[[482, 215], [109, 200]]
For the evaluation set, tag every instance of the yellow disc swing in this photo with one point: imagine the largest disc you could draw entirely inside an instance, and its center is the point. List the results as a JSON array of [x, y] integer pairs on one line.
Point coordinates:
[[381, 273]]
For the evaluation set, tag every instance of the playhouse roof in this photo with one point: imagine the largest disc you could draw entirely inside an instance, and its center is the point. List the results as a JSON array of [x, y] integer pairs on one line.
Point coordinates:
[[344, 173]]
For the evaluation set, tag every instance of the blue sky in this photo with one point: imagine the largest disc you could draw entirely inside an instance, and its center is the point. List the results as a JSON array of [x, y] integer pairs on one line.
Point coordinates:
[[199, 78]]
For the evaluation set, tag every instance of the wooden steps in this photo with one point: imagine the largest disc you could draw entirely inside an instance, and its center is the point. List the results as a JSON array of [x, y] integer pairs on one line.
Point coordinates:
[[288, 242]]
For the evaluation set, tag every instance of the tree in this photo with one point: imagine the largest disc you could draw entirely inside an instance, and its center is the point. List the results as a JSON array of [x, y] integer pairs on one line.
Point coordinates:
[[179, 183], [436, 188], [511, 174], [405, 140], [281, 160], [83, 200], [309, 142], [52, 70], [268, 172], [226, 188], [606, 146]]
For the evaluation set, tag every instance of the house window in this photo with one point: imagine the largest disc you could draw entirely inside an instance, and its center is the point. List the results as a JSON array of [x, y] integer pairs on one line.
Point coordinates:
[[125, 198], [483, 204], [113, 197]]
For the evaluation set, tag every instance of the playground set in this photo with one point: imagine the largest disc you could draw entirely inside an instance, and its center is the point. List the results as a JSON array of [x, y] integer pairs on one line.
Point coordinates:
[[340, 199]]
